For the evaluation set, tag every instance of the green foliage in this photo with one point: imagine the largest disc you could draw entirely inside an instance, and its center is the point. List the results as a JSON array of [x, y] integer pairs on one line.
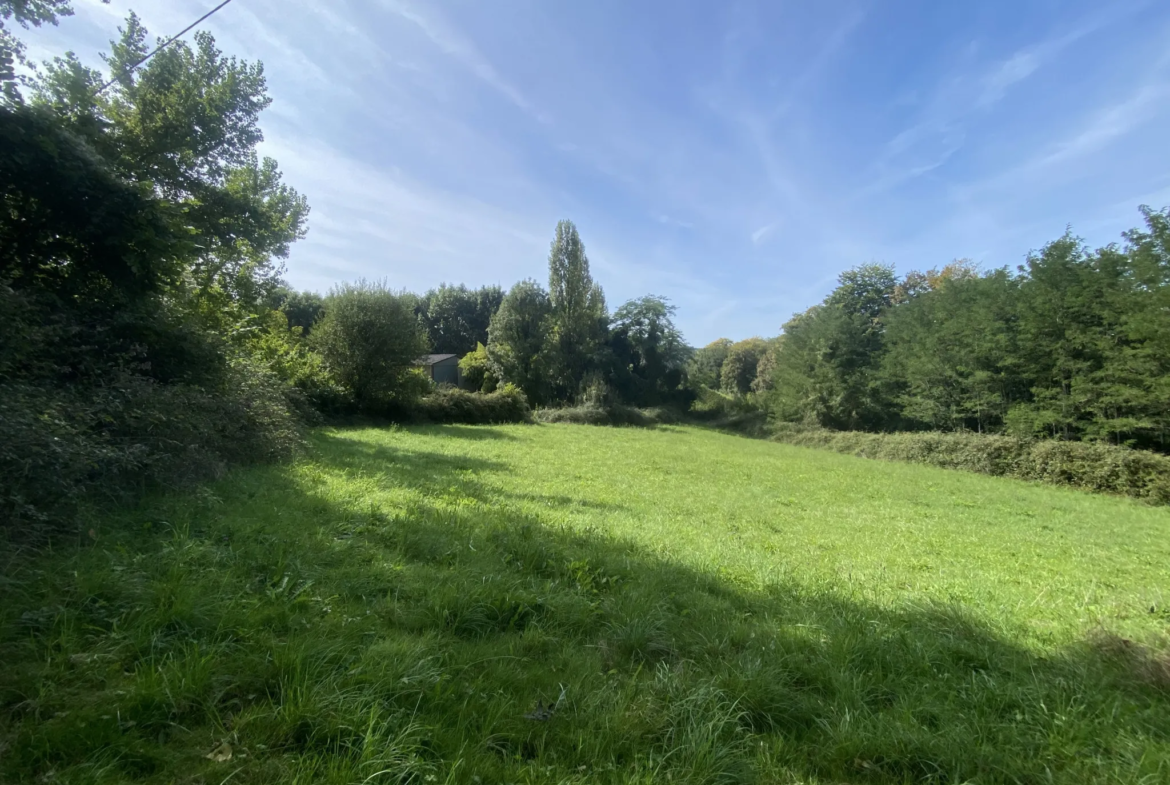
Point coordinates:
[[578, 313], [1096, 467], [949, 352], [766, 367], [370, 342], [476, 370], [518, 341], [186, 122], [648, 324], [451, 405], [1070, 347], [139, 231], [602, 414], [63, 449], [456, 318], [827, 369], [301, 309], [738, 373], [648, 354], [26, 13], [514, 603], [71, 225], [706, 365]]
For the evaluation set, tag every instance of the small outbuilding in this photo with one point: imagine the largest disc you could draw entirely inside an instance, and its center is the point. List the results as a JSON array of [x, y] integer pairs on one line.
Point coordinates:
[[442, 368]]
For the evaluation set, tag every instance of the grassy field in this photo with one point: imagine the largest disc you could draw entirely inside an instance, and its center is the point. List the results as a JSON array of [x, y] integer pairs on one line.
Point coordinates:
[[559, 604]]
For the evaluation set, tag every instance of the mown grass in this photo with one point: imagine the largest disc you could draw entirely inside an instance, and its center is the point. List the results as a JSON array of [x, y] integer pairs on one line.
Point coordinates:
[[572, 604]]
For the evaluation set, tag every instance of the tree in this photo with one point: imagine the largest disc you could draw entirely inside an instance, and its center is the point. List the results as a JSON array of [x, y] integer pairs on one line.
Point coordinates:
[[457, 318], [648, 352], [948, 352], [370, 341], [578, 312], [303, 310], [1141, 367], [186, 123], [71, 225], [766, 367], [477, 371], [706, 365], [26, 13], [827, 369], [739, 369], [1070, 326], [519, 338]]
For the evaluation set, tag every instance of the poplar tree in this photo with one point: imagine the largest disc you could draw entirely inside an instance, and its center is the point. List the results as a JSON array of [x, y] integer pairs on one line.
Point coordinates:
[[578, 312]]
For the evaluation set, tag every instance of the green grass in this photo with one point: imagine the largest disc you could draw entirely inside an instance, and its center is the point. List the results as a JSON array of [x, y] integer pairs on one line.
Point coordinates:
[[404, 605]]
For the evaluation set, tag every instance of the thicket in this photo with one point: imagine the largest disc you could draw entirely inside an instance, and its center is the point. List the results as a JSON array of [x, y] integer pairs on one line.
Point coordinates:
[[562, 348], [1052, 371], [1099, 467], [139, 236]]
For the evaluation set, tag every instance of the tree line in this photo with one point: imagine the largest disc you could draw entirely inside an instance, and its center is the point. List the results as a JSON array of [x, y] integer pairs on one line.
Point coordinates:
[[1074, 345], [557, 344]]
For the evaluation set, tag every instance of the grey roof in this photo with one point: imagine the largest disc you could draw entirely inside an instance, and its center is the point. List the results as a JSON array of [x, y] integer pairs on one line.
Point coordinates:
[[431, 359]]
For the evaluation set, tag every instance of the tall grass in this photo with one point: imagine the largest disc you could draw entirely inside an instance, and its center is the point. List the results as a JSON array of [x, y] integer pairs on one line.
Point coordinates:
[[567, 604]]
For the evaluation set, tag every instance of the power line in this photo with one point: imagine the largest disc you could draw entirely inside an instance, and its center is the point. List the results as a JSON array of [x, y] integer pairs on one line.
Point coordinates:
[[163, 45]]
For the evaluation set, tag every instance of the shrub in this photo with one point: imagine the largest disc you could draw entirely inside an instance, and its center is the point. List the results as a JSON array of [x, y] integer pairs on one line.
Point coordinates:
[[713, 405], [608, 414], [370, 340], [477, 372], [1091, 466], [64, 448], [452, 405]]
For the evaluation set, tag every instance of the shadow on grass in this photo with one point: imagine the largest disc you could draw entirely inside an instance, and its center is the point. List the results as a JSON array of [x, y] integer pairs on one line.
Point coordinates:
[[470, 432], [463, 638]]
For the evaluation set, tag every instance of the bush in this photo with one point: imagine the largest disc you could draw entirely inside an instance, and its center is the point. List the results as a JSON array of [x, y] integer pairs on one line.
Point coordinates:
[[713, 406], [477, 372], [62, 448], [370, 342], [452, 405], [1091, 466], [608, 414]]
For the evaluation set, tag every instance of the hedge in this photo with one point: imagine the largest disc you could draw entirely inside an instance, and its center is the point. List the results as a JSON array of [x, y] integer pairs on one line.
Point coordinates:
[[611, 414], [452, 405], [1090, 466]]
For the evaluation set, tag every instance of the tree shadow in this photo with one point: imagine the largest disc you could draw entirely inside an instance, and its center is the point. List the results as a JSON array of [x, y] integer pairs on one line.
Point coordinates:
[[470, 432], [472, 620]]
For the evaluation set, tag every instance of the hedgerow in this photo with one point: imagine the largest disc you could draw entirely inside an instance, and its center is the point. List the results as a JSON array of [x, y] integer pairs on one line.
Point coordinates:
[[452, 405], [1091, 466]]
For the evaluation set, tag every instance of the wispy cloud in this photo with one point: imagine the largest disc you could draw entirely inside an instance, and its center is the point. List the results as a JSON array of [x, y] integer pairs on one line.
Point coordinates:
[[759, 234], [1092, 135], [384, 223], [459, 47], [940, 130]]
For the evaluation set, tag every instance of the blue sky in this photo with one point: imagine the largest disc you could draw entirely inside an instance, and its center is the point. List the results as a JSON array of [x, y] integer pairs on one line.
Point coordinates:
[[734, 157]]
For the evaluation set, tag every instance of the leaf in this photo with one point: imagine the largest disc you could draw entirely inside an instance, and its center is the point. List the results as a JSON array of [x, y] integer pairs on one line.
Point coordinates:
[[221, 754]]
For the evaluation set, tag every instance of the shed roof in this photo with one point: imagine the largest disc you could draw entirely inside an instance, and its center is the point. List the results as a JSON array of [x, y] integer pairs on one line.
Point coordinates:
[[432, 359]]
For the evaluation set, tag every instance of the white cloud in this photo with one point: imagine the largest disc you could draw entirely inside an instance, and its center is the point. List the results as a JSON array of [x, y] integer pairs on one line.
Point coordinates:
[[759, 234], [377, 222], [458, 46]]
